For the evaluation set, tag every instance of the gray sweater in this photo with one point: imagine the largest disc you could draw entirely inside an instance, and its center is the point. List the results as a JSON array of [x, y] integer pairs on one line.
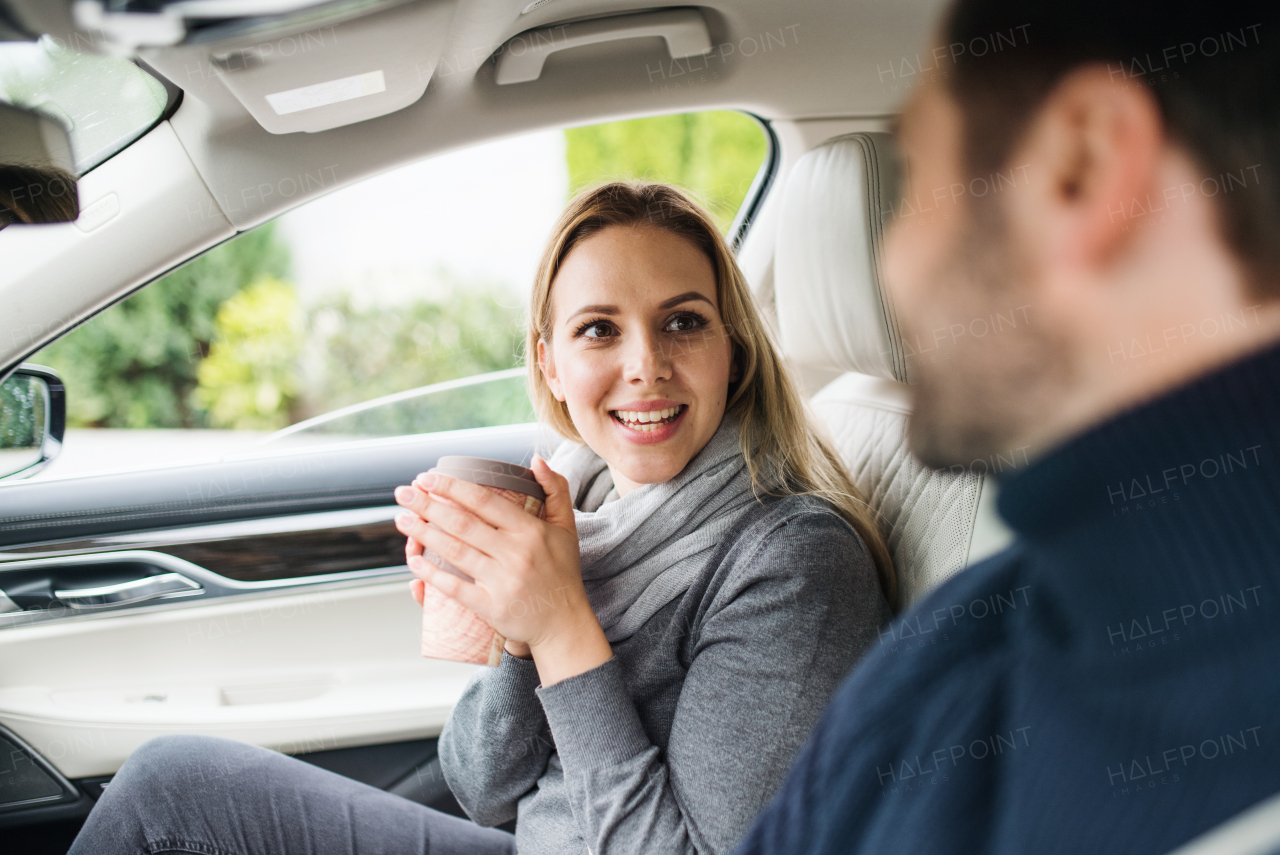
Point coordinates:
[[674, 744]]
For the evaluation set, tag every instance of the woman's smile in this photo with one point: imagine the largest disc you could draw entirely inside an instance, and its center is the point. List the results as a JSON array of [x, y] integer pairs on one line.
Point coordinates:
[[649, 422]]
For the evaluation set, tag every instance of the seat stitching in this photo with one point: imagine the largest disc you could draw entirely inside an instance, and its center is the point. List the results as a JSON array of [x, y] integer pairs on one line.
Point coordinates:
[[174, 844]]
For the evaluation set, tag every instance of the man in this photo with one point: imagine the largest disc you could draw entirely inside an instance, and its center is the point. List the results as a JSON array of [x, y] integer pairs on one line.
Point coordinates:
[[1111, 683]]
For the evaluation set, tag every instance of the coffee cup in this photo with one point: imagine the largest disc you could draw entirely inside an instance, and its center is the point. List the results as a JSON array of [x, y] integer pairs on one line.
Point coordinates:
[[450, 631]]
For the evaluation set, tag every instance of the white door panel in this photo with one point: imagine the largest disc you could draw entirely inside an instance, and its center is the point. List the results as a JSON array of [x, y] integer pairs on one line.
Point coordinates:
[[295, 672]]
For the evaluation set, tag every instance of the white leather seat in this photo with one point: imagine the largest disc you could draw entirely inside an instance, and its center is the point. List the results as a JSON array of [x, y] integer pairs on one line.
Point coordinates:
[[835, 318]]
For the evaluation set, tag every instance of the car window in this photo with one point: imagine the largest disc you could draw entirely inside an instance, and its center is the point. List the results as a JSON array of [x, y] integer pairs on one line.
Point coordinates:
[[105, 102], [392, 307], [486, 400]]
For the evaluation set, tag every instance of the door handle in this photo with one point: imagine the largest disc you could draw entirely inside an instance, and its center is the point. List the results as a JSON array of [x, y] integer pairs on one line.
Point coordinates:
[[134, 591]]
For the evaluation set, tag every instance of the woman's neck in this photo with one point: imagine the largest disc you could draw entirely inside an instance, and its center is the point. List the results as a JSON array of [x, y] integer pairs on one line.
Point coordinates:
[[621, 482]]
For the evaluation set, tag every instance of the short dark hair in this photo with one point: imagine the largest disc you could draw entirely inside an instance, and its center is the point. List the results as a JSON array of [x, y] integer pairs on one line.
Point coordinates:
[[1212, 67]]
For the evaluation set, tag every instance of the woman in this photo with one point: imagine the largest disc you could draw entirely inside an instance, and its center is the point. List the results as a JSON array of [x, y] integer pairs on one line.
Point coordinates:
[[704, 577], [706, 554]]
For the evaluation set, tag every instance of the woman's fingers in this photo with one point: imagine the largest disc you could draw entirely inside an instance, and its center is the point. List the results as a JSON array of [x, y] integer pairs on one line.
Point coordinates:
[[481, 501], [463, 525], [411, 498], [457, 552], [559, 504], [415, 589], [468, 594]]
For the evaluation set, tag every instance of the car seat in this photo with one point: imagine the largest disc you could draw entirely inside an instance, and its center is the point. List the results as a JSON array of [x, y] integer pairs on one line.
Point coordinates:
[[836, 320]]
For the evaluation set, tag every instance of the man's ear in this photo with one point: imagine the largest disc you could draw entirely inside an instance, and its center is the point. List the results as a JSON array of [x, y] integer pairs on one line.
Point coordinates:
[[548, 367], [1092, 154]]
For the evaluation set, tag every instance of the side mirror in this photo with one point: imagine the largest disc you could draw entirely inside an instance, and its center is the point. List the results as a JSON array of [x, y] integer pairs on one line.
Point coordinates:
[[33, 418], [37, 182]]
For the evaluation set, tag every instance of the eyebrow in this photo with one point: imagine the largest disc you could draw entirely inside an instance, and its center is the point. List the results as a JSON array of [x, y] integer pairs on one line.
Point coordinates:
[[606, 309]]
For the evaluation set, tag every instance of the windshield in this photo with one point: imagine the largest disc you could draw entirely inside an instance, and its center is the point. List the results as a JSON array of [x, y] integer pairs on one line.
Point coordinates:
[[105, 102]]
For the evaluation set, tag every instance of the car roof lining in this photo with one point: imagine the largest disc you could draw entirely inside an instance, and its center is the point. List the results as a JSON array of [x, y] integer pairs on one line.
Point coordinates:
[[806, 61], [211, 171]]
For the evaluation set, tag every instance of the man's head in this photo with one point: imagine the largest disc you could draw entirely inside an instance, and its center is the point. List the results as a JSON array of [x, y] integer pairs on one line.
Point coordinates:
[[1116, 230]]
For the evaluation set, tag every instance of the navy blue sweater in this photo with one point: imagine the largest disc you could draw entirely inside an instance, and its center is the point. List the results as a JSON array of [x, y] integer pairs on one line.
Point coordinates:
[[1109, 684]]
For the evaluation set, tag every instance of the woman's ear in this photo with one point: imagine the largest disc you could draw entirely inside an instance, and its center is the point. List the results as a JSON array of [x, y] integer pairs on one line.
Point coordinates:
[[548, 368], [735, 365]]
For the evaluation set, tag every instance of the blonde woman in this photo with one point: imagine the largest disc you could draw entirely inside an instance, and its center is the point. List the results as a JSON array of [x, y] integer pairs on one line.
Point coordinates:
[[714, 571], [705, 575]]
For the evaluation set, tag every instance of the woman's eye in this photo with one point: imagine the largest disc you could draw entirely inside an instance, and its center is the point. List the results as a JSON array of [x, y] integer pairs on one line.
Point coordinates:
[[684, 323], [599, 329]]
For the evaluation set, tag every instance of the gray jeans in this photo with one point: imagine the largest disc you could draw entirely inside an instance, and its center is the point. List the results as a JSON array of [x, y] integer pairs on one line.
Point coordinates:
[[214, 796]]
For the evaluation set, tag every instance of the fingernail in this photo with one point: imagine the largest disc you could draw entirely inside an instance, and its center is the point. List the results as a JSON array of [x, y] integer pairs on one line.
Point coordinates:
[[404, 494], [403, 520]]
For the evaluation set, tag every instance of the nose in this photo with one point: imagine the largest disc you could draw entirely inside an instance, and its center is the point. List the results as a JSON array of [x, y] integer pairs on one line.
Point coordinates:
[[646, 360]]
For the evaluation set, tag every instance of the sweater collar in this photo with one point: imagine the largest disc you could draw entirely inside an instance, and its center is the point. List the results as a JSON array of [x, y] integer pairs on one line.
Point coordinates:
[[1171, 503]]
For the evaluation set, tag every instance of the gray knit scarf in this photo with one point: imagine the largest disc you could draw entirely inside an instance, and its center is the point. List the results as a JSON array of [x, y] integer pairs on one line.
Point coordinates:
[[641, 551]]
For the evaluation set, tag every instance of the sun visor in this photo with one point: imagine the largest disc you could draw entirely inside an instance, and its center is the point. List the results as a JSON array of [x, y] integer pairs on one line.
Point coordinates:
[[336, 75]]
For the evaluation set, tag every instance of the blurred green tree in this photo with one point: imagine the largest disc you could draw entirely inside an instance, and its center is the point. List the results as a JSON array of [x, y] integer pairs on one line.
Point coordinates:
[[361, 353], [134, 365], [22, 421], [249, 380], [715, 155]]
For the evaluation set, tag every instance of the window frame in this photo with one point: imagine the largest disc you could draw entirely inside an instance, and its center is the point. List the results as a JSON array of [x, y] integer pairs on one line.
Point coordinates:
[[753, 201], [174, 94], [760, 187]]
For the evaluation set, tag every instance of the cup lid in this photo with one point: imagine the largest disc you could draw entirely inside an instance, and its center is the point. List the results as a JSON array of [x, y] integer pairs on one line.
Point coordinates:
[[491, 473]]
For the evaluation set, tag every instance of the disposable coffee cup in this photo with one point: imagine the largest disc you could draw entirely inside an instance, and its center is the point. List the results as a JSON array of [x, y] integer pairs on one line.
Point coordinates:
[[450, 631]]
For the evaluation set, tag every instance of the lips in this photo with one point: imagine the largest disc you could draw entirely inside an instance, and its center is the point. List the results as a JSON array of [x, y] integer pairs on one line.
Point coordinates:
[[644, 421]]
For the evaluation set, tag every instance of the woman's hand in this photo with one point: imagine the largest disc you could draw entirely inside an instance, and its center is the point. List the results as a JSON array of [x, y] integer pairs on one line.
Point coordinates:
[[516, 648], [528, 580]]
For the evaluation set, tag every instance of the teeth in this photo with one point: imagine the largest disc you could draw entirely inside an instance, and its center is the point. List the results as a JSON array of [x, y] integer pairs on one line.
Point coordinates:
[[645, 421]]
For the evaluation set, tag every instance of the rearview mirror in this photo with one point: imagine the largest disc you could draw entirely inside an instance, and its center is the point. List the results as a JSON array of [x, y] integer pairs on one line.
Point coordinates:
[[37, 184], [33, 417]]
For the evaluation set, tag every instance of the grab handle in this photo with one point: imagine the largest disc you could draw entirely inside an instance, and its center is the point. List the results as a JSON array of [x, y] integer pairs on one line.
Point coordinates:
[[685, 31]]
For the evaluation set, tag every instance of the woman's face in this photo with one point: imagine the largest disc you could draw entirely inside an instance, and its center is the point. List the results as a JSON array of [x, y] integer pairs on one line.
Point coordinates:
[[638, 350]]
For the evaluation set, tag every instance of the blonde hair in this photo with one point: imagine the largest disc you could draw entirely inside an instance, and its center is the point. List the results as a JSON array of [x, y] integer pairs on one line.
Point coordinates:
[[786, 453]]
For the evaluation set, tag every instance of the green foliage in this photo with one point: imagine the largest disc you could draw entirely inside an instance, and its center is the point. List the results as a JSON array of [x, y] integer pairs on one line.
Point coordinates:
[[716, 155], [134, 365], [249, 380], [501, 401], [22, 414], [365, 353], [22, 423]]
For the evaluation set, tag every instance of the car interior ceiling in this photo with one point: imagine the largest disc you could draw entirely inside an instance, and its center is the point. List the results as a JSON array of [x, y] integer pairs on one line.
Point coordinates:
[[212, 171]]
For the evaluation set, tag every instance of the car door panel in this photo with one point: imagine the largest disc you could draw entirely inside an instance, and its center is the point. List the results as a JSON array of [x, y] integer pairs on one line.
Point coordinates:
[[299, 633], [270, 548], [297, 672], [332, 477]]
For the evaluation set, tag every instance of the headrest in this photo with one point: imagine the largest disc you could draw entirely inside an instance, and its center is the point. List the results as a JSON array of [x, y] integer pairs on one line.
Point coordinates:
[[833, 312]]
